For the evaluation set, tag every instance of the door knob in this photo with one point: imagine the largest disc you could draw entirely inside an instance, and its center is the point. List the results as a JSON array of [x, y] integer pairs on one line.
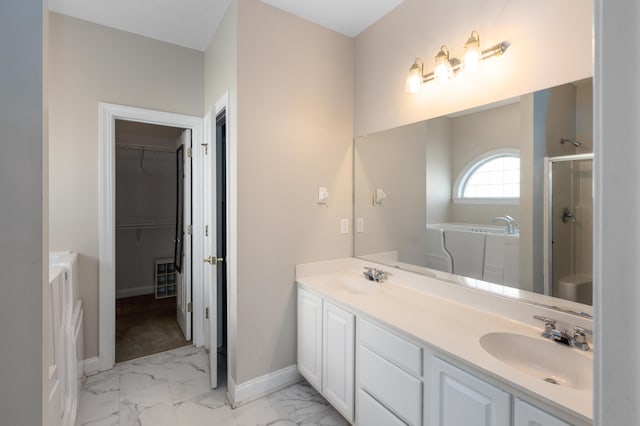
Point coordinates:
[[213, 260]]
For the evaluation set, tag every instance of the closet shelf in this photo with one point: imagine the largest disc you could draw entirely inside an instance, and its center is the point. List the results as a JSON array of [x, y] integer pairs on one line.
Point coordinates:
[[149, 148], [157, 225]]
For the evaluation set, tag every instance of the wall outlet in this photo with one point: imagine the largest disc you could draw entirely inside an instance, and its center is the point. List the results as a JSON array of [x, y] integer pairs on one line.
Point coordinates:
[[344, 226]]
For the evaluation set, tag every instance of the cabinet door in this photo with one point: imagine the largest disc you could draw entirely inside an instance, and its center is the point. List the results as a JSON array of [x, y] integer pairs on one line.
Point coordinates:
[[310, 337], [528, 415], [460, 399], [338, 359]]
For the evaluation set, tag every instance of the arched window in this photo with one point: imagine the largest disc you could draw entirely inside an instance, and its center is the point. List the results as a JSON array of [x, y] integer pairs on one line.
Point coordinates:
[[494, 177]]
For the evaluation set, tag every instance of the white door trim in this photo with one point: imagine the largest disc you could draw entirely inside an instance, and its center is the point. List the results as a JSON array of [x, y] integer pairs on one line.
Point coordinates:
[[108, 114]]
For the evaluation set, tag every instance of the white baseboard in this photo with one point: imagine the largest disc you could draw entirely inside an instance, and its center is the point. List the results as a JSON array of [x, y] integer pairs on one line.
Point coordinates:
[[90, 366], [261, 386], [136, 291]]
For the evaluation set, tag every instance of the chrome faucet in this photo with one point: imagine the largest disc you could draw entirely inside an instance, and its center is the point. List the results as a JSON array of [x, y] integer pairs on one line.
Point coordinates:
[[507, 220], [374, 274], [577, 340], [515, 225]]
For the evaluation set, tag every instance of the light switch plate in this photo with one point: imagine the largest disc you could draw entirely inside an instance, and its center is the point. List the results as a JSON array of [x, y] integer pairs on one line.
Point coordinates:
[[344, 226], [360, 225], [323, 195]]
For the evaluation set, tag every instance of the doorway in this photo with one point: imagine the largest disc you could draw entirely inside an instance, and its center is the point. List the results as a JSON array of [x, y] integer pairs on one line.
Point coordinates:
[[151, 274], [216, 269], [189, 302], [221, 244]]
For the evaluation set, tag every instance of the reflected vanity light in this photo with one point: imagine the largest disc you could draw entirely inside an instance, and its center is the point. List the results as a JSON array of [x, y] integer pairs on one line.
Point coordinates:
[[446, 67]]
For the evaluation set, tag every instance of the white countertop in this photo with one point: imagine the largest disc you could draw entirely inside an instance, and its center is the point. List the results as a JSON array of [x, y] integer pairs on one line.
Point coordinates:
[[443, 324]]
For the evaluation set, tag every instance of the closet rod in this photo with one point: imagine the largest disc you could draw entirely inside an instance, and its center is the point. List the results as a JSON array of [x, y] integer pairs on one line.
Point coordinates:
[[145, 148], [159, 225]]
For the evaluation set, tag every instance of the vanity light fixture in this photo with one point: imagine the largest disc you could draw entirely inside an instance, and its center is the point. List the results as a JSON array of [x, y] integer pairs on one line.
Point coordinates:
[[415, 78], [472, 52], [447, 67], [444, 65]]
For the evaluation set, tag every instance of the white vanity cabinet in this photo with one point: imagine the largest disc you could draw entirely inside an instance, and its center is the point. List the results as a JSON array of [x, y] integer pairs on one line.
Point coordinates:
[[459, 398], [389, 377], [377, 375], [338, 358], [326, 347], [310, 337], [526, 414]]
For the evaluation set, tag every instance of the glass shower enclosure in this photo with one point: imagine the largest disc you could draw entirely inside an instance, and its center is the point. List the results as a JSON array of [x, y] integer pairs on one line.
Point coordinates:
[[569, 227]]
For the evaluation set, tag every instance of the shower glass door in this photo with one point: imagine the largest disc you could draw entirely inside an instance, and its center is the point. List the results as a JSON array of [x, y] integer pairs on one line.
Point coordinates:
[[570, 227]]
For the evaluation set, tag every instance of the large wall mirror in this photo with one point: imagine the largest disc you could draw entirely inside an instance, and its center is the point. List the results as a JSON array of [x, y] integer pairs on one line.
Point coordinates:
[[499, 197]]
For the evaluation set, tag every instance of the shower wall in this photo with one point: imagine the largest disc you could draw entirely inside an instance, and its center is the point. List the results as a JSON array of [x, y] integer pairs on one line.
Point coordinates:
[[570, 116]]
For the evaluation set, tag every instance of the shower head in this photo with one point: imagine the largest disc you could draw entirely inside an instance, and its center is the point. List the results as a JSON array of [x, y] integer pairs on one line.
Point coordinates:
[[573, 141]]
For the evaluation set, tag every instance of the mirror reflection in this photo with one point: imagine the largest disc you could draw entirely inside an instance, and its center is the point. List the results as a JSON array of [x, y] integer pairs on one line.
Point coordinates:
[[497, 195]]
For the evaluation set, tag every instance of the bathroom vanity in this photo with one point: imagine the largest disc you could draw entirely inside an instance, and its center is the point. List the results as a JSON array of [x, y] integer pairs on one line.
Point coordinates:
[[417, 350]]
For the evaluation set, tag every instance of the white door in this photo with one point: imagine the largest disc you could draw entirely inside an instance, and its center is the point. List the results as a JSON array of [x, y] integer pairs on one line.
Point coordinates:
[[210, 273], [183, 237]]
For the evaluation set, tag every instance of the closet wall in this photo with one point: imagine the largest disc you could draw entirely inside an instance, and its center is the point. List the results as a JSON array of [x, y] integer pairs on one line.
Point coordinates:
[[145, 203]]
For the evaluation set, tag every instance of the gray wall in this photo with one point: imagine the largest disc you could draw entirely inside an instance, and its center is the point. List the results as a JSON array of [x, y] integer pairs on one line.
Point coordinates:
[[474, 135], [23, 190], [394, 161], [617, 224], [295, 130], [439, 184], [385, 51], [91, 64], [220, 76]]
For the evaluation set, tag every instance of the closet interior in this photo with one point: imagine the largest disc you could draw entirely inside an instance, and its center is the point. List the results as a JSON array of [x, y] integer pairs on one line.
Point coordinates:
[[147, 277]]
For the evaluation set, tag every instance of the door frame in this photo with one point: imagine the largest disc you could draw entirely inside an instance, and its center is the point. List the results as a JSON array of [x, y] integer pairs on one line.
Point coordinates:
[[223, 104], [108, 114], [230, 262]]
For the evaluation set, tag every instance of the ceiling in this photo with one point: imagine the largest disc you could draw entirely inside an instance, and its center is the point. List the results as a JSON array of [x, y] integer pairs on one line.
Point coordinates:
[[192, 23]]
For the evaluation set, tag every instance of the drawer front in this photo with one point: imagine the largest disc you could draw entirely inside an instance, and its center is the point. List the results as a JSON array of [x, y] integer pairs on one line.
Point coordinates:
[[394, 348], [372, 413], [393, 387], [528, 415]]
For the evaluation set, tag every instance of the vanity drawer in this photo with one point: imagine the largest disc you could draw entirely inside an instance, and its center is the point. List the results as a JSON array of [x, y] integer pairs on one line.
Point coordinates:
[[394, 348], [372, 413], [392, 386]]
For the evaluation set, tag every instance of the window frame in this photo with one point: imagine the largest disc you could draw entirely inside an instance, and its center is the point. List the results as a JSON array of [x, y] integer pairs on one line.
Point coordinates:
[[471, 167]]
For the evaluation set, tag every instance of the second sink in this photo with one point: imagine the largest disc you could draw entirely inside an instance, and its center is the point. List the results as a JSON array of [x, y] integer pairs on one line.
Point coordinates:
[[542, 359]]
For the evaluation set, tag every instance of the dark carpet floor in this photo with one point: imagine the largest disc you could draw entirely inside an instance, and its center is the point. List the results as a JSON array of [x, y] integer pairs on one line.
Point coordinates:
[[146, 325]]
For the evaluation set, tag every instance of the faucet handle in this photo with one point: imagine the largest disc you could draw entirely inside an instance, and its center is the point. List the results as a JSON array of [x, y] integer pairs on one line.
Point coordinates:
[[545, 319], [579, 338], [549, 326], [579, 334]]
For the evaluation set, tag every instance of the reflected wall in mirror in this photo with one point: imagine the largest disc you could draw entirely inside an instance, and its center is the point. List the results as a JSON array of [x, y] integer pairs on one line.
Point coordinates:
[[500, 194]]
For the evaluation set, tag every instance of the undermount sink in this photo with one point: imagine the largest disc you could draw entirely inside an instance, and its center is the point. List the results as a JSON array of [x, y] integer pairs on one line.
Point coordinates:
[[356, 284], [543, 359]]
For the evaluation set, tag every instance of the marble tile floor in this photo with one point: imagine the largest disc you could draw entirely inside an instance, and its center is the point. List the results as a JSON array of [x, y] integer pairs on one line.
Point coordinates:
[[172, 388]]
